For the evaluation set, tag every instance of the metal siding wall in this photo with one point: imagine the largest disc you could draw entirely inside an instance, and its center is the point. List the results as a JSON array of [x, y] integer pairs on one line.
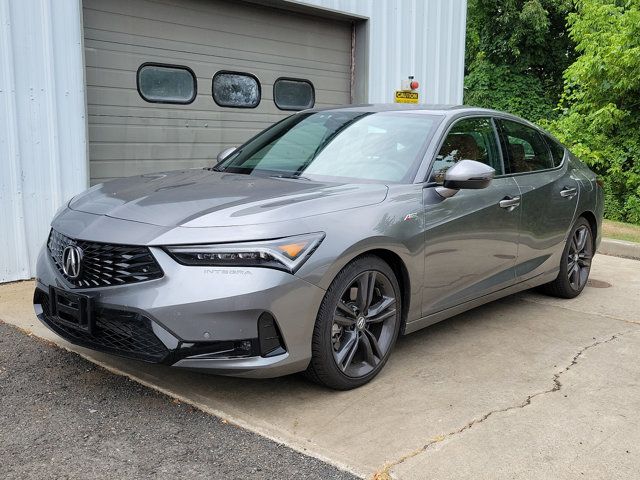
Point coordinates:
[[424, 38], [43, 137], [42, 124]]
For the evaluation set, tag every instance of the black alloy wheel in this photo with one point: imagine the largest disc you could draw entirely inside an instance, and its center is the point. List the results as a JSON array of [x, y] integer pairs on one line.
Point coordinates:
[[579, 258], [575, 263], [357, 325]]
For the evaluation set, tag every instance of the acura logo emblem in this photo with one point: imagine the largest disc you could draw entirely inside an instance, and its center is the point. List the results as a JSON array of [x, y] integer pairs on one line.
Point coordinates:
[[71, 258]]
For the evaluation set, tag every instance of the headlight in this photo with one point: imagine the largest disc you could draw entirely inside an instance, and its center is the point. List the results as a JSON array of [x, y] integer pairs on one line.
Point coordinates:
[[286, 254]]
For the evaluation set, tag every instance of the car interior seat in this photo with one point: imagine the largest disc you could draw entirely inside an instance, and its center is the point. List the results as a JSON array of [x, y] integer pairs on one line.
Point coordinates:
[[518, 159], [461, 146]]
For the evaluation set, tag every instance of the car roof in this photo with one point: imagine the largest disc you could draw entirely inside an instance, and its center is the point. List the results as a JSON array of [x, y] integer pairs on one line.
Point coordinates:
[[400, 107], [435, 109]]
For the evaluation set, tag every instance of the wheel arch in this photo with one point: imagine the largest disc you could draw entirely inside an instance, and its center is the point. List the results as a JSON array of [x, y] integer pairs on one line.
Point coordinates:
[[402, 275], [590, 217]]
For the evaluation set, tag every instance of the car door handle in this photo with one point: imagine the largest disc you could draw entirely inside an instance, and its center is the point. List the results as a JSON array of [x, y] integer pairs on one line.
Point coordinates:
[[568, 192], [509, 203]]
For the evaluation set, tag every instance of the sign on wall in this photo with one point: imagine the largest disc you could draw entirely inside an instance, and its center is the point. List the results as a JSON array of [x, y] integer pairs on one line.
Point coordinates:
[[406, 96]]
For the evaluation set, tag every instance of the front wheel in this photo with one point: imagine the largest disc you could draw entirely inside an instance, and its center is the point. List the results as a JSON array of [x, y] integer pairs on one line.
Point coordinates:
[[357, 325], [575, 263]]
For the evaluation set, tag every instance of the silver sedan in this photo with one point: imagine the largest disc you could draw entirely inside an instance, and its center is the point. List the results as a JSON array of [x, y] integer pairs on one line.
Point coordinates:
[[314, 245]]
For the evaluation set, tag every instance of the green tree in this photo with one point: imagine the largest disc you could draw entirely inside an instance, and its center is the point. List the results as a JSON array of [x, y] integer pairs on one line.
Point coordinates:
[[600, 106], [516, 53]]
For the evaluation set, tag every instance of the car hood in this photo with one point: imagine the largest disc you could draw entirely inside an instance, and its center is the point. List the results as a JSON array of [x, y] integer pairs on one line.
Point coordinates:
[[204, 198]]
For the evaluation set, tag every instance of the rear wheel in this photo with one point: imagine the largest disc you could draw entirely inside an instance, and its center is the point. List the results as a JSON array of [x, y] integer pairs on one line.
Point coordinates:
[[575, 263], [357, 325]]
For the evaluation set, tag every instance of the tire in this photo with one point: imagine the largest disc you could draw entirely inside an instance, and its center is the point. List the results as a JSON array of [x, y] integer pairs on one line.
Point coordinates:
[[577, 254], [357, 325]]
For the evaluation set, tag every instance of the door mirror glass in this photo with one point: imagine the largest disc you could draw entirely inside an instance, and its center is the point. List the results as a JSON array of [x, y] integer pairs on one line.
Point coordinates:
[[467, 174], [226, 153]]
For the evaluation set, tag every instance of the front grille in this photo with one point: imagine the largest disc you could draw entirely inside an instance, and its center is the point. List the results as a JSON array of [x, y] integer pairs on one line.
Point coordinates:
[[105, 264], [123, 333]]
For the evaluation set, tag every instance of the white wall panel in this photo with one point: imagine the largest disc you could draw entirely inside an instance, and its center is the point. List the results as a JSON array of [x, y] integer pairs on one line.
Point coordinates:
[[424, 38], [42, 124], [43, 136]]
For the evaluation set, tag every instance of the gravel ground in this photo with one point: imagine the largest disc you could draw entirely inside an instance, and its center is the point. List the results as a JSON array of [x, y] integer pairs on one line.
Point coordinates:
[[64, 417]]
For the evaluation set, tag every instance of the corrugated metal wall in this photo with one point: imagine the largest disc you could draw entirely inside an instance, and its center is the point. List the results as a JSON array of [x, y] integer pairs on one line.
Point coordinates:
[[424, 38], [42, 124], [43, 136]]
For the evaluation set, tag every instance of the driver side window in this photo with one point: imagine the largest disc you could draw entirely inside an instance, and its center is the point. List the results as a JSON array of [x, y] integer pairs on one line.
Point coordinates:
[[468, 139]]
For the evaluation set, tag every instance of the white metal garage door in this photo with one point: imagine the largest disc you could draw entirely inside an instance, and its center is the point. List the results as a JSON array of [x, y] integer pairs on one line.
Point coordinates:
[[129, 135]]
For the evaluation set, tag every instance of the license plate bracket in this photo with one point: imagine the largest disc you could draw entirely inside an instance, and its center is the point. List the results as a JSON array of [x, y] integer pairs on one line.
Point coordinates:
[[74, 310]]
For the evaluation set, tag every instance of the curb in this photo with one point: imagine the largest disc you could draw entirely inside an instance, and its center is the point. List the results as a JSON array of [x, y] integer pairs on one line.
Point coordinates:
[[619, 248]]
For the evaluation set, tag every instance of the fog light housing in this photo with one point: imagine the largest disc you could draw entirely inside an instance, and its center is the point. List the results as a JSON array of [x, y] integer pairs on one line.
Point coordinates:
[[269, 336], [223, 349]]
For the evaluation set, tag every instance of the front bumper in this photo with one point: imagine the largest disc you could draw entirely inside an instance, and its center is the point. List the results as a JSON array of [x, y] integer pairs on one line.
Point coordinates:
[[202, 318]]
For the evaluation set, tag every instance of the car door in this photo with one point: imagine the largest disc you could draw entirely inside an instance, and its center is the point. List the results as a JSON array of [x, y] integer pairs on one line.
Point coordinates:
[[549, 196], [470, 238]]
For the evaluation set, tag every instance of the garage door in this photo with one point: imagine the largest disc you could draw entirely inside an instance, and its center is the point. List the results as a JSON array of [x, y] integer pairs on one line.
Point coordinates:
[[154, 67]]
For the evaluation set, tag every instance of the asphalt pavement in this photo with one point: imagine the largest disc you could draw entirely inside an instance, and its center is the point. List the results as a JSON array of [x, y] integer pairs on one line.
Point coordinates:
[[64, 417]]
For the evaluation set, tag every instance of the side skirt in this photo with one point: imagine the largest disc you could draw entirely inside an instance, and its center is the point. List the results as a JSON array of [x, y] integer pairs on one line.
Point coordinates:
[[463, 307]]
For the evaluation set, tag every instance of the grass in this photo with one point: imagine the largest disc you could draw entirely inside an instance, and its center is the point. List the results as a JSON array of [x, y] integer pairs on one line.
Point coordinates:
[[621, 231]]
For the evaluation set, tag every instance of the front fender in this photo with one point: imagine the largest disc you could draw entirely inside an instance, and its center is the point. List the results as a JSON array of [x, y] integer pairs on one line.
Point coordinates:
[[396, 226]]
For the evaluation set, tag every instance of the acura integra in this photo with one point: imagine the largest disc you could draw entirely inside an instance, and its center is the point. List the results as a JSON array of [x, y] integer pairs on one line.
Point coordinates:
[[318, 242]]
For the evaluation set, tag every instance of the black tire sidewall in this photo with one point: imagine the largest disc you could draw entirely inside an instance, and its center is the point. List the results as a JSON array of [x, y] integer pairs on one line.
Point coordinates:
[[322, 349], [563, 261]]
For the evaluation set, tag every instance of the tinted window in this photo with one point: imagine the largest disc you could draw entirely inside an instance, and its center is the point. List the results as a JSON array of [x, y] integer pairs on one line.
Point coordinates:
[[557, 150], [166, 83], [234, 89], [468, 139], [293, 94], [338, 145], [526, 150]]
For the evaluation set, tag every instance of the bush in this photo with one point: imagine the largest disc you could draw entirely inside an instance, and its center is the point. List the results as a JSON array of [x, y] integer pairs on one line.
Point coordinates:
[[600, 113], [504, 88]]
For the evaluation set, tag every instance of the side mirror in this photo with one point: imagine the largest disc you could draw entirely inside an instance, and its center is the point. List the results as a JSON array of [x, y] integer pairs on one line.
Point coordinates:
[[226, 153], [465, 174]]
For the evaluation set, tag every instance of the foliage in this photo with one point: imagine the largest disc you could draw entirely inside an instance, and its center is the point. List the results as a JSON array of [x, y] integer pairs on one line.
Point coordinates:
[[504, 88], [600, 106], [516, 53], [574, 66], [528, 35]]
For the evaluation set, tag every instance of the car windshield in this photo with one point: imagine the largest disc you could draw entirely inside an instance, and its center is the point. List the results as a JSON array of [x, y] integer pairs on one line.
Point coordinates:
[[338, 146]]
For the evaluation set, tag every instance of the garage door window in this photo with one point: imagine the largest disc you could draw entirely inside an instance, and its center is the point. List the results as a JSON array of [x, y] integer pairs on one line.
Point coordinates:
[[293, 94], [236, 89], [166, 83]]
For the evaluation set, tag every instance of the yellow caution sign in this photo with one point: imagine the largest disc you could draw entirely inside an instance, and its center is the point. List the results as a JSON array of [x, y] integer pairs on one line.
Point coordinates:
[[406, 96]]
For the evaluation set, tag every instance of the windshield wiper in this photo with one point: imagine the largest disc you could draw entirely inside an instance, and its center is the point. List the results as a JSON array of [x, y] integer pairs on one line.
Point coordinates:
[[290, 175]]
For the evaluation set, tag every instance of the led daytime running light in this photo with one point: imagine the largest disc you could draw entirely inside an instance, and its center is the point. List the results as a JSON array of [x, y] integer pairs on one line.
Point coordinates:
[[284, 254]]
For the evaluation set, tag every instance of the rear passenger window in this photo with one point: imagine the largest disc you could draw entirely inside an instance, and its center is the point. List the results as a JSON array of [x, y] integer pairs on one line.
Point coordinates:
[[468, 139], [526, 150], [161, 83], [235, 89], [557, 150], [293, 94]]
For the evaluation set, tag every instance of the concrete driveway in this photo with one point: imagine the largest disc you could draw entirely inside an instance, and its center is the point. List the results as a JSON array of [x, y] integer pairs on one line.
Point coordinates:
[[525, 387]]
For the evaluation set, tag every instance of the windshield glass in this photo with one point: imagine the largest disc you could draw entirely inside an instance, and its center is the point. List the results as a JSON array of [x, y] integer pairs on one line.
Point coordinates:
[[338, 146]]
